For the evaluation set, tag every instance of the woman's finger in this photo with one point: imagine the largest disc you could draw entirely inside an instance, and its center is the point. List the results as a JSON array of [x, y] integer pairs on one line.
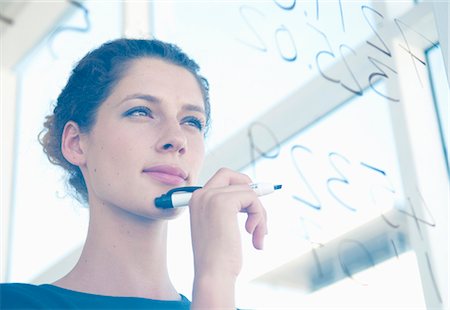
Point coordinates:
[[256, 223], [224, 177], [258, 236]]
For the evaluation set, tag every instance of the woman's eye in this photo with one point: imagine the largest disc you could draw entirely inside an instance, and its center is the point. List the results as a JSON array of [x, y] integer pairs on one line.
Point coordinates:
[[194, 122], [139, 111]]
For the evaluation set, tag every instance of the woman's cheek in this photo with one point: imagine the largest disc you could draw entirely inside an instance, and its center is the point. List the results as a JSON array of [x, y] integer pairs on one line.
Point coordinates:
[[197, 161]]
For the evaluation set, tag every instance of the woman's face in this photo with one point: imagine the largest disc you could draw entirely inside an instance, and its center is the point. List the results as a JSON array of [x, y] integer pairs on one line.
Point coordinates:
[[147, 139]]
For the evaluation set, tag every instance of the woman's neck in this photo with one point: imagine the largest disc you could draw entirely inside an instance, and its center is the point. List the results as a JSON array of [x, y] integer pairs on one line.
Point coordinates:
[[124, 255]]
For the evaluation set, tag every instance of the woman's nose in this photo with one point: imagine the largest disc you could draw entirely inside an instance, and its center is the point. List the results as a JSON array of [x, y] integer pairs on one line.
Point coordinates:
[[172, 139]]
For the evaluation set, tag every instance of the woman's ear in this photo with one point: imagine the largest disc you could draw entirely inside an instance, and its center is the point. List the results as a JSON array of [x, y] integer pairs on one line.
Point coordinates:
[[72, 145]]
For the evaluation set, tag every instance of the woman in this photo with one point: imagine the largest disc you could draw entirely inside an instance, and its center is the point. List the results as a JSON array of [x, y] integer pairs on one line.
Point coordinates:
[[129, 126]]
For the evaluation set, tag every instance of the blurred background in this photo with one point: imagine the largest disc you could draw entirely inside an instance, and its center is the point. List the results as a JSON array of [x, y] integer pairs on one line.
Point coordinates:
[[345, 103]]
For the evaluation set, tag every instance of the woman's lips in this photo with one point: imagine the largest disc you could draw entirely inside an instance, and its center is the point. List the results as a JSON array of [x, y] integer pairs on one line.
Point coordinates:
[[167, 174], [165, 178]]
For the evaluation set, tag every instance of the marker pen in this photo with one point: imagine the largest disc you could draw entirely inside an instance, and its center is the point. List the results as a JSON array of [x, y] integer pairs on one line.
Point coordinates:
[[180, 196]]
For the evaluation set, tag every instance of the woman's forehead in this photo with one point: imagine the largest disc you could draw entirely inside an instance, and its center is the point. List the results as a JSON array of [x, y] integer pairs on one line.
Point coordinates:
[[159, 79], [160, 72]]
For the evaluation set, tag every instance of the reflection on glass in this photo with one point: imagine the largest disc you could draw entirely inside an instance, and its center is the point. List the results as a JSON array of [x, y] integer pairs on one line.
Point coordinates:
[[393, 284], [441, 96]]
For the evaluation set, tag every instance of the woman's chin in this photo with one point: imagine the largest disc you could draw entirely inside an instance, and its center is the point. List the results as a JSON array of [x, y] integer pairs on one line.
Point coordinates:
[[172, 213], [154, 213]]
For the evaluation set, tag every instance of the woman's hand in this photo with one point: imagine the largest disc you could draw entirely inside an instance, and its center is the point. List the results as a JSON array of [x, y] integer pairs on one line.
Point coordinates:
[[215, 235]]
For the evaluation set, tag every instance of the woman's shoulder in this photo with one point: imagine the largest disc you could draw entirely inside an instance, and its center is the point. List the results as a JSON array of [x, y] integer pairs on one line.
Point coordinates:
[[23, 295], [47, 296], [17, 290]]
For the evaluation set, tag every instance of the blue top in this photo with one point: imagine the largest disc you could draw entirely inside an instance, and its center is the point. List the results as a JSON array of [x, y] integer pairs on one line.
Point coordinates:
[[47, 296]]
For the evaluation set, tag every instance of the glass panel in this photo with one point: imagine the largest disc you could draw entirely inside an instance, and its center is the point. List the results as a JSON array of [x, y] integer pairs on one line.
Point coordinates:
[[333, 169], [338, 176], [56, 221]]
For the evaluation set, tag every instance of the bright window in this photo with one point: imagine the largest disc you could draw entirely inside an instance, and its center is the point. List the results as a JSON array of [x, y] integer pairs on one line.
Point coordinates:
[[43, 213]]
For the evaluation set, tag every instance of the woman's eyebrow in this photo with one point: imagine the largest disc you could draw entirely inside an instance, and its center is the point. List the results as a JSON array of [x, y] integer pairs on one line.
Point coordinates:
[[153, 99], [145, 97], [193, 108]]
